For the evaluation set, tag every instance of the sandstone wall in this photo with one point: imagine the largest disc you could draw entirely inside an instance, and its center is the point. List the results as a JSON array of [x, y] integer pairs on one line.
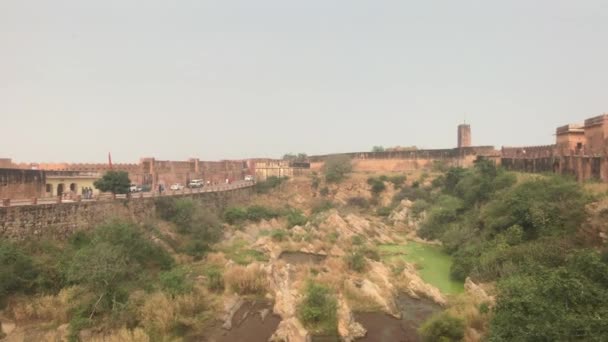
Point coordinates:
[[17, 183], [399, 161], [61, 220]]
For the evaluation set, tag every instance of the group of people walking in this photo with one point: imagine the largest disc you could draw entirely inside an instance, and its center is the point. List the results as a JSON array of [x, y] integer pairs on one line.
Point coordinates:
[[87, 193]]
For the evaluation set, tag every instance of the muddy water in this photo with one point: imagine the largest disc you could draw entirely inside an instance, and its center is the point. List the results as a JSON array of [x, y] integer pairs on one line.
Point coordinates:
[[384, 328], [299, 258], [253, 322]]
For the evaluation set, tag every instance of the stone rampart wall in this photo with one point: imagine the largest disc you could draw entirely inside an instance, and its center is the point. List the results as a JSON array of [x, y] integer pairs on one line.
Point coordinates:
[[61, 220]]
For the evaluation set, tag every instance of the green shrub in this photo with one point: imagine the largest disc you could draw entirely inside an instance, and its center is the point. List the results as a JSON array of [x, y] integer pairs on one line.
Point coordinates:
[[196, 248], [296, 218], [175, 281], [318, 309], [278, 235], [324, 191], [397, 180], [357, 240], [356, 261], [215, 279], [567, 303], [270, 183], [550, 206], [360, 202], [377, 185], [17, 272], [165, 207], [443, 327], [191, 218], [333, 237], [256, 213], [137, 248], [411, 193], [321, 206], [444, 213], [418, 207], [233, 215], [371, 253], [336, 168], [384, 211]]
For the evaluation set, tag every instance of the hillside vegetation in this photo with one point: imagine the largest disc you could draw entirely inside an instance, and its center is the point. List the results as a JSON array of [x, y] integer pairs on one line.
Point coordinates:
[[523, 254], [526, 237]]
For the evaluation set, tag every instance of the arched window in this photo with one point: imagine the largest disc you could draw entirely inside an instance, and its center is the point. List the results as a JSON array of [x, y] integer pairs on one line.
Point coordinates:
[[60, 189]]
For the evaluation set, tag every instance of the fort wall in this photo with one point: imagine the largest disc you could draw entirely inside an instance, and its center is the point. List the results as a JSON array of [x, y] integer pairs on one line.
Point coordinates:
[[63, 219], [399, 161]]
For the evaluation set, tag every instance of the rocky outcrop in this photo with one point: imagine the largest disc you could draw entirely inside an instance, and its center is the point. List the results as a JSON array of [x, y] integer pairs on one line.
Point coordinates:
[[290, 330], [348, 328], [414, 286], [231, 306], [377, 285], [285, 299], [401, 212]]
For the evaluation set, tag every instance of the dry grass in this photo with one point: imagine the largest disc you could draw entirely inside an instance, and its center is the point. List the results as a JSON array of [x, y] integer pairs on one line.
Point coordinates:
[[467, 307], [161, 313], [359, 301], [246, 280], [216, 259], [123, 335], [334, 272], [46, 308]]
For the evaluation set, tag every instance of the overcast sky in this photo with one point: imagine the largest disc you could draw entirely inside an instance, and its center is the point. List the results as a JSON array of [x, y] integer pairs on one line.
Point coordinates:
[[231, 79]]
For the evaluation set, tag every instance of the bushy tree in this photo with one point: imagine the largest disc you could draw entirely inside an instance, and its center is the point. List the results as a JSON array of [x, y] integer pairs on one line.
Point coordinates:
[[545, 206], [17, 272], [116, 182], [378, 149], [568, 303], [377, 185], [443, 327], [336, 168], [318, 309]]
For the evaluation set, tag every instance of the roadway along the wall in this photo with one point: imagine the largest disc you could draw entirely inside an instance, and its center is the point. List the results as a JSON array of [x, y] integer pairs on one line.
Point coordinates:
[[61, 220]]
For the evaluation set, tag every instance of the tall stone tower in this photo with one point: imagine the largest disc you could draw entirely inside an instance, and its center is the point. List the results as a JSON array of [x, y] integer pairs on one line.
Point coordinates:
[[464, 135]]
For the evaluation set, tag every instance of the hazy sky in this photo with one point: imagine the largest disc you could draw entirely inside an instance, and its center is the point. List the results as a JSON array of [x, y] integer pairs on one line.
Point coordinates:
[[254, 78]]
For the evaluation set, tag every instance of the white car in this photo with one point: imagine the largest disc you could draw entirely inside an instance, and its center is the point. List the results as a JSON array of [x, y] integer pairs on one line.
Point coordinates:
[[196, 183], [176, 186], [249, 178]]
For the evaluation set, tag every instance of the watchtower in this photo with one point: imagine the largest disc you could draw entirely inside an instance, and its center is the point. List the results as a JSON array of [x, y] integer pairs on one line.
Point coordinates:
[[464, 135]]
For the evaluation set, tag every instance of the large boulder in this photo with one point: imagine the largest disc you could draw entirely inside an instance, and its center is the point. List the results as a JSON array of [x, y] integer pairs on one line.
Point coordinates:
[[414, 286]]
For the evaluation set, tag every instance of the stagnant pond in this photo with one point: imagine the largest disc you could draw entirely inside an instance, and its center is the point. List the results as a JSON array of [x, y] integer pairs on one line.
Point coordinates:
[[253, 322], [433, 264], [384, 328], [299, 258]]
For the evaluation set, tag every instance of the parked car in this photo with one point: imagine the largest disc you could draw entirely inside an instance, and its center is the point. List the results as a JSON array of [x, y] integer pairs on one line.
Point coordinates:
[[196, 183], [176, 186], [134, 188], [249, 178]]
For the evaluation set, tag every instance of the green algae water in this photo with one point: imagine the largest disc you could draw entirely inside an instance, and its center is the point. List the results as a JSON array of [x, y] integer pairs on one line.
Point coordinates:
[[433, 264]]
